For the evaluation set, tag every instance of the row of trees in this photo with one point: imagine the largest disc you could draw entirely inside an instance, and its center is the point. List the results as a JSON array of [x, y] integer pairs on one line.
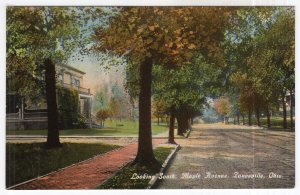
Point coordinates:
[[260, 49]]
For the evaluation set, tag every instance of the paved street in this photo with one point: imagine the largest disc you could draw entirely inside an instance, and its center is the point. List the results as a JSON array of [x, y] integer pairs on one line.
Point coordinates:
[[228, 156]]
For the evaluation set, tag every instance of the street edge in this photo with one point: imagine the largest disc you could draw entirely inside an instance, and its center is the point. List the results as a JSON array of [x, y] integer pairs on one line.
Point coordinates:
[[114, 174], [188, 133], [154, 179]]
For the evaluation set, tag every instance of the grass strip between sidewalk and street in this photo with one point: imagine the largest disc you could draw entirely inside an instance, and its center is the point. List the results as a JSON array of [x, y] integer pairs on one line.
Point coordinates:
[[123, 178]]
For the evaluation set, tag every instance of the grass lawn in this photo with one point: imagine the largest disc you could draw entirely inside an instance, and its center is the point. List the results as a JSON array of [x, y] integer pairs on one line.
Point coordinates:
[[122, 179], [27, 161], [276, 122], [112, 128]]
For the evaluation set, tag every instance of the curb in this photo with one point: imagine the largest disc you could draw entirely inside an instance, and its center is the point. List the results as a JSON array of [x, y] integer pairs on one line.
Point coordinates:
[[114, 174], [53, 172], [154, 179], [188, 133], [73, 136]]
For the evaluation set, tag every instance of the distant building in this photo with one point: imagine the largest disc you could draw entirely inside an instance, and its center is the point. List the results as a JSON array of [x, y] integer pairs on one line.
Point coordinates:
[[72, 78], [21, 113]]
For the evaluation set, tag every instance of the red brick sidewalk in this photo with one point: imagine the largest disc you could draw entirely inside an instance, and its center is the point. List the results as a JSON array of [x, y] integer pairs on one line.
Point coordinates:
[[87, 174]]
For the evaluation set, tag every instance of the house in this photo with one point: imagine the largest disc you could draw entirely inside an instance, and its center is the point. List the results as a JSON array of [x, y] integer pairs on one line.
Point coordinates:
[[21, 113], [72, 78]]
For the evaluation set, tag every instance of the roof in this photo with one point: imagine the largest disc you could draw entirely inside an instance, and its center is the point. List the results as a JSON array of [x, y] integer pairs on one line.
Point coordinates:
[[71, 68]]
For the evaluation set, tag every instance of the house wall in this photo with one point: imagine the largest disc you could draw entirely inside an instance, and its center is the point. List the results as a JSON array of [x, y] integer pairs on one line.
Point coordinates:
[[67, 78]]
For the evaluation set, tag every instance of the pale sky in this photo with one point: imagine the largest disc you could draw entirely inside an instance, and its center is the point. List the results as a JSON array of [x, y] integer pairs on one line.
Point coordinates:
[[96, 74]]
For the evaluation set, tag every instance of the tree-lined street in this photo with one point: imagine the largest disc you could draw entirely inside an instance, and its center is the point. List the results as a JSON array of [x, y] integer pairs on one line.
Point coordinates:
[[226, 74]]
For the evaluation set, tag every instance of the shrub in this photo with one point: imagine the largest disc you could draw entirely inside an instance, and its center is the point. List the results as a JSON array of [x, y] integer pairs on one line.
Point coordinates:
[[102, 115], [68, 109]]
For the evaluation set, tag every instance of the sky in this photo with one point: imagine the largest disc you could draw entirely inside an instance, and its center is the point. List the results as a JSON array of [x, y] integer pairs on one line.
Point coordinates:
[[96, 74]]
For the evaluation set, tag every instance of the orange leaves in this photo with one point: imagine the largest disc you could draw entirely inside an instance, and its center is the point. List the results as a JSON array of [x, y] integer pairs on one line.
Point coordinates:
[[131, 26], [179, 45], [178, 31], [179, 10], [169, 33], [174, 52], [149, 40], [151, 28], [192, 46], [140, 30], [158, 11], [223, 105]]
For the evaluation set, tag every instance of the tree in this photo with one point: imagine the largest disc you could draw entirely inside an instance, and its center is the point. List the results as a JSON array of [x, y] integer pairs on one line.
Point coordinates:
[[102, 115], [159, 109], [152, 35], [118, 102], [101, 98], [41, 37], [115, 106], [184, 91], [223, 107]]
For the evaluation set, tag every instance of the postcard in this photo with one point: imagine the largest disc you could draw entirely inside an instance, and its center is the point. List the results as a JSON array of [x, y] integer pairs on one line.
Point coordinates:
[[150, 97]]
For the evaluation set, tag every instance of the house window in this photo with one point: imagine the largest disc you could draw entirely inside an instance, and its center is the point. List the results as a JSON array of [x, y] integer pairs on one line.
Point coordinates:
[[75, 82], [60, 77]]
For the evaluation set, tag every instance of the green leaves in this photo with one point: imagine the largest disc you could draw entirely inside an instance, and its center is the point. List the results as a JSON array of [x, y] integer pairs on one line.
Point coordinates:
[[36, 33], [188, 86], [260, 55]]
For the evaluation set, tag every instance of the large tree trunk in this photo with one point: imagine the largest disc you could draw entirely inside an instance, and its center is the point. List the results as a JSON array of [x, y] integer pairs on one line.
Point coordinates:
[[186, 123], [238, 119], [257, 116], [183, 122], [145, 154], [158, 120], [167, 119], [226, 120], [291, 108], [171, 127], [132, 112], [268, 117], [284, 124], [53, 132], [249, 118], [190, 122], [180, 124], [243, 117]]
